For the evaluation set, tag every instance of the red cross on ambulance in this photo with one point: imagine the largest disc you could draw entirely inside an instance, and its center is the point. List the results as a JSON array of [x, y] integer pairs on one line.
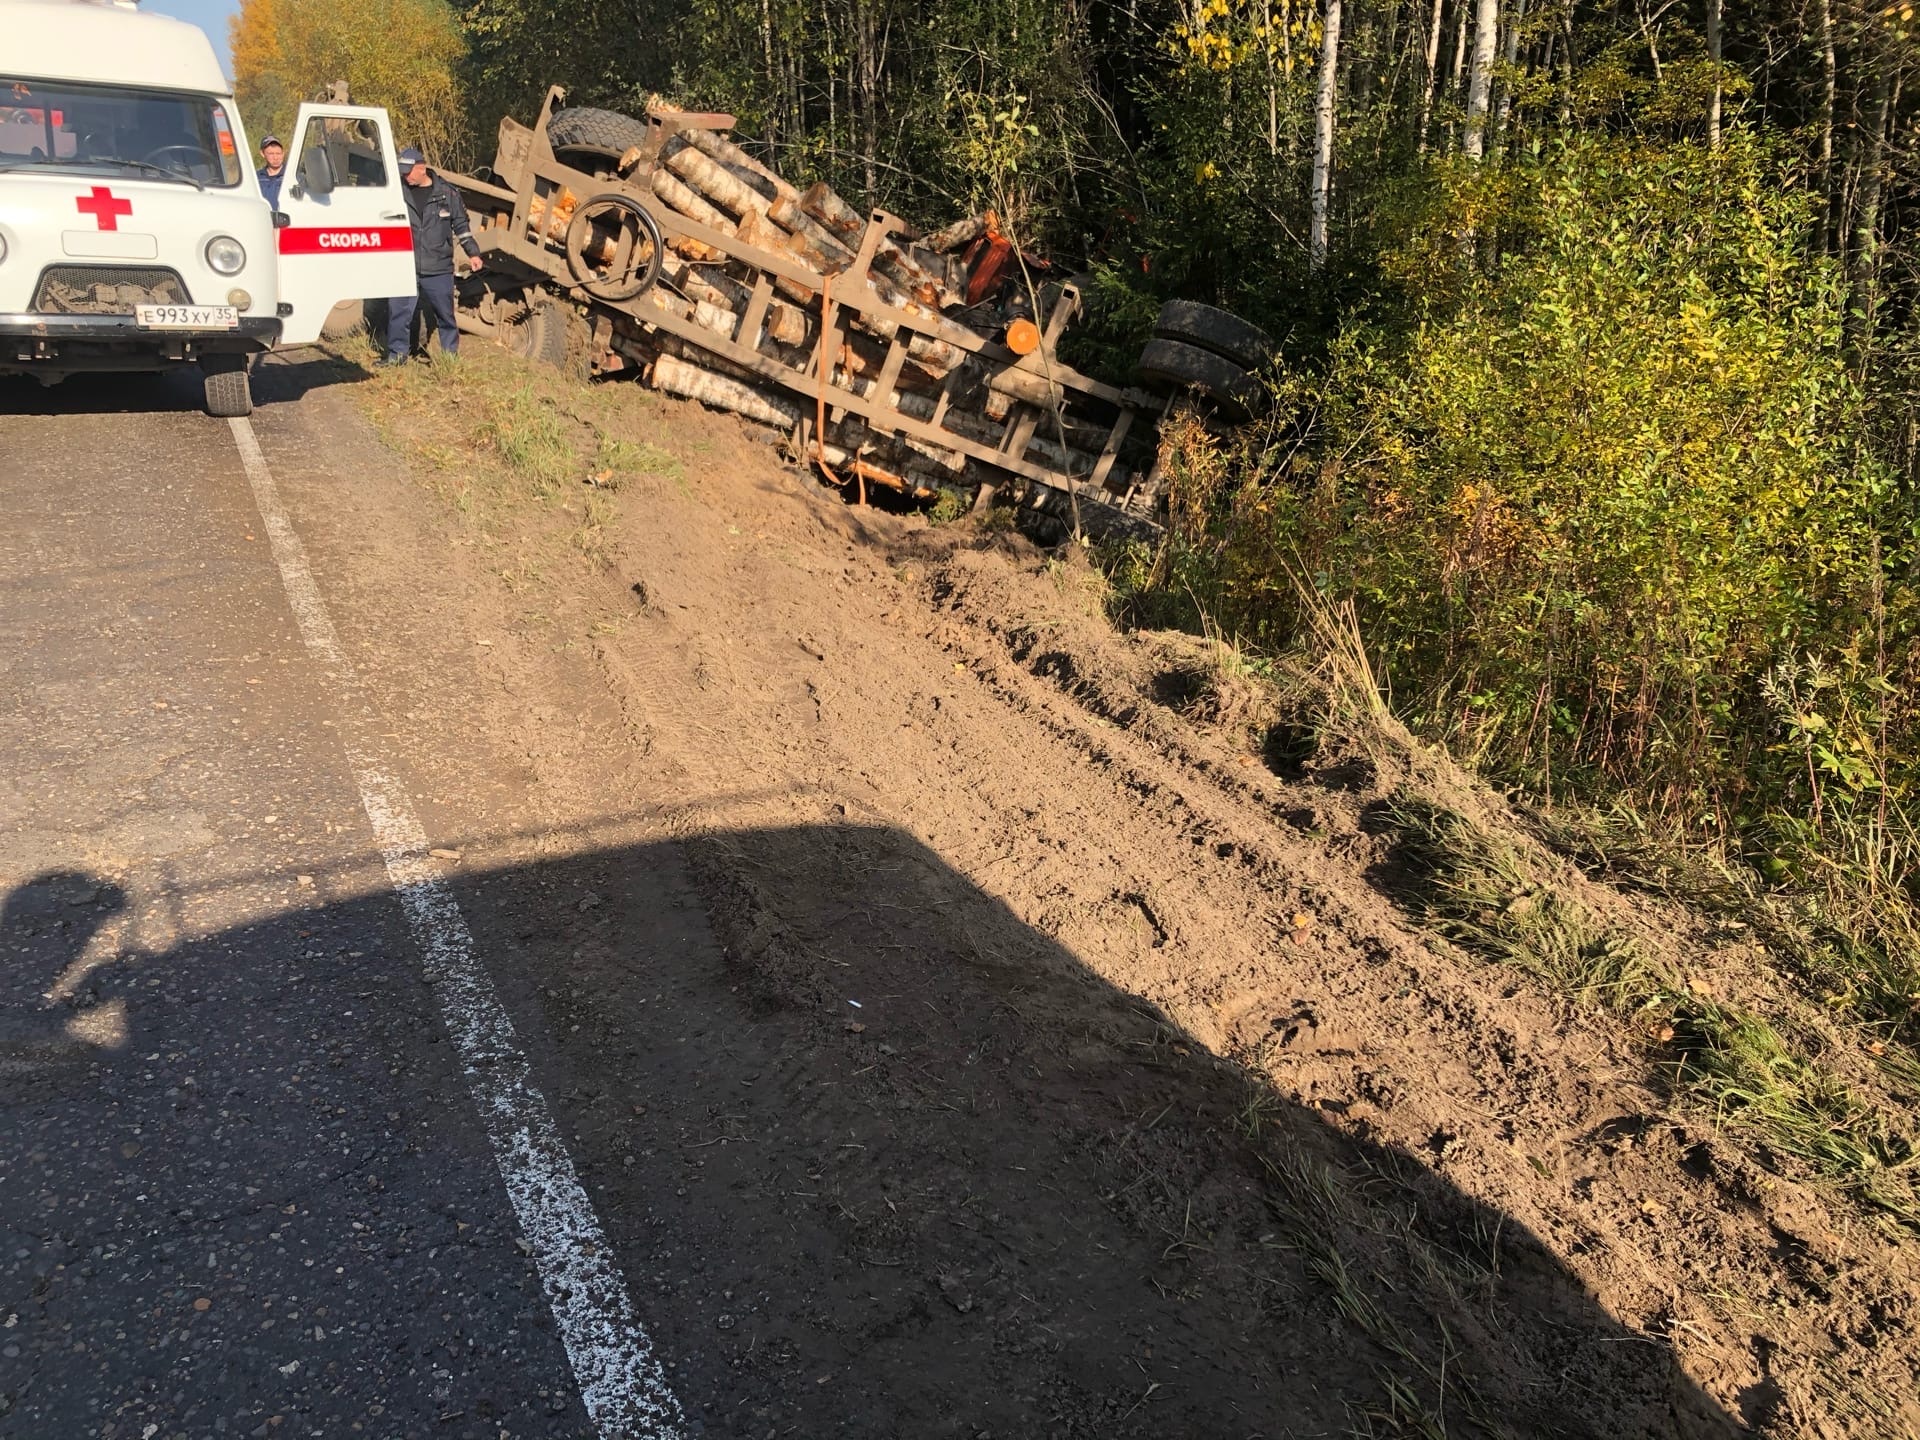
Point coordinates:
[[105, 207]]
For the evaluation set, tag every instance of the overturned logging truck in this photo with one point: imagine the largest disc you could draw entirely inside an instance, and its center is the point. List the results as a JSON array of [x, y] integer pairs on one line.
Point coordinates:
[[918, 363]]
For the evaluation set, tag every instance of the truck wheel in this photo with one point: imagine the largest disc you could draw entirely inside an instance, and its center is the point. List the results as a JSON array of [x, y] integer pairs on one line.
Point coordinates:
[[1220, 331], [550, 333], [229, 389], [1173, 364], [349, 317], [585, 138], [636, 237]]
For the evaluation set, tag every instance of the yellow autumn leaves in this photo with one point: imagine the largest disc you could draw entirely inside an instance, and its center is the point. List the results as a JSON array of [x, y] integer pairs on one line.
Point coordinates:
[[1220, 35], [402, 54]]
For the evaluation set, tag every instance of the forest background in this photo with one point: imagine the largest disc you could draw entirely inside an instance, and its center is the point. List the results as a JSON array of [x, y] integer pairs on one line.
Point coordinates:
[[1596, 404]]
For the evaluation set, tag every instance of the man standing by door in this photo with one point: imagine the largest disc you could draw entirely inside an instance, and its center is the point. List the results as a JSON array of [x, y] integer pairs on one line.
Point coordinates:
[[440, 222], [269, 175]]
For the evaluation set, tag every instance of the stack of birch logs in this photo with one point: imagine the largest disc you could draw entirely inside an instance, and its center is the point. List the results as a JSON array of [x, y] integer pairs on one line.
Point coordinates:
[[705, 177]]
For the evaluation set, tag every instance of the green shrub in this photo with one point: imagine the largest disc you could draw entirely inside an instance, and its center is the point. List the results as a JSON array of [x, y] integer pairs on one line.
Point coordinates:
[[1589, 504]]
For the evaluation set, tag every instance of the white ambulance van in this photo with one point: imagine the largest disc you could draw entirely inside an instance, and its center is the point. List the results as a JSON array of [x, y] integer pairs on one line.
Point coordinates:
[[133, 235]]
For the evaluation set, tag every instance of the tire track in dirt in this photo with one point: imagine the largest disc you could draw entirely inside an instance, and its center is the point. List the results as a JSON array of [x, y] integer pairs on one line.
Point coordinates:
[[1547, 1084], [1214, 890], [1143, 852], [917, 769], [1546, 1068]]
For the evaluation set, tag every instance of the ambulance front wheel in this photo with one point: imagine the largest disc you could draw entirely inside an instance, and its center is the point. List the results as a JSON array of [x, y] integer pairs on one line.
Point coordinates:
[[229, 388]]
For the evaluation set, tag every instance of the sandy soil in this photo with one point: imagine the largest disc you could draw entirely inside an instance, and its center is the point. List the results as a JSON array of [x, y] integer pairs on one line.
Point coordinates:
[[1065, 1069]]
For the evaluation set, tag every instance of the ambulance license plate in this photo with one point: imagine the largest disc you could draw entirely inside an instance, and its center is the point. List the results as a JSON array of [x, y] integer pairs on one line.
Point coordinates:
[[186, 317]]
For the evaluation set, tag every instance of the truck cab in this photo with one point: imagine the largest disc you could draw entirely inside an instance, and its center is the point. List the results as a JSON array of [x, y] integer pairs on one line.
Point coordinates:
[[133, 235]]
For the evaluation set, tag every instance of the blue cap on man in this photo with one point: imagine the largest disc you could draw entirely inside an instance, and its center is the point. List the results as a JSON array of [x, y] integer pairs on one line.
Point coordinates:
[[411, 157]]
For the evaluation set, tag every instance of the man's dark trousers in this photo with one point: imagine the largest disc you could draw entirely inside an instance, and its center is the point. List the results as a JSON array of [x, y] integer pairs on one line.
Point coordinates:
[[437, 292]]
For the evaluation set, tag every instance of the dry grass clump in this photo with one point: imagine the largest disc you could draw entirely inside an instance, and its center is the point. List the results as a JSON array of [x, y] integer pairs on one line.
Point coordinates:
[[1321, 697], [1755, 1078], [504, 437], [1848, 935], [1774, 1082], [1215, 683]]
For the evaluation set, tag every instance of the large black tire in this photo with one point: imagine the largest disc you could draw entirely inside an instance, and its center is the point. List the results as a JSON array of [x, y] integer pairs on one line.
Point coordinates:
[[1174, 364], [541, 335], [582, 135], [552, 333], [349, 317], [229, 389], [1218, 331]]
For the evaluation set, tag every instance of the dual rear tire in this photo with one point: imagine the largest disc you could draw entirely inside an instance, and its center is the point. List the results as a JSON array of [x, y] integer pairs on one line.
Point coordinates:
[[1212, 351]]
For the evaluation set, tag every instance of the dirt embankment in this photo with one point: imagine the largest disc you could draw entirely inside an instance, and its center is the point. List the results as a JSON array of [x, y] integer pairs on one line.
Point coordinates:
[[1167, 1118]]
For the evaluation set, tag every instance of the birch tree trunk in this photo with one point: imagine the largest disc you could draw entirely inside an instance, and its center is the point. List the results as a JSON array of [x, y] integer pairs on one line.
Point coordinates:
[[772, 74], [1713, 58], [1829, 75], [869, 62], [1864, 263], [1433, 72], [1273, 80], [1486, 37], [1323, 107], [1567, 65], [1461, 26], [1506, 88], [833, 76]]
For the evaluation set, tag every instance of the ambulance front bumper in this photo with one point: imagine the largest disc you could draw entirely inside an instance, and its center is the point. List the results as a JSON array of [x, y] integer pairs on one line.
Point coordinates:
[[116, 342]]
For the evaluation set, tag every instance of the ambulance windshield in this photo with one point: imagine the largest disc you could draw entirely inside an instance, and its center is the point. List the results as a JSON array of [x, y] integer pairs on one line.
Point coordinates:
[[87, 129]]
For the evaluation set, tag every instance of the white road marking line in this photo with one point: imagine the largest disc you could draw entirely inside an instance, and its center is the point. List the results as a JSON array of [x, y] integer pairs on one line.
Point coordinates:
[[621, 1381]]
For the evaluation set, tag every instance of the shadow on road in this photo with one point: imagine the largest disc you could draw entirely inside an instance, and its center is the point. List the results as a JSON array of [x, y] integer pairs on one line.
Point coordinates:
[[64, 910], [279, 378], [877, 1158]]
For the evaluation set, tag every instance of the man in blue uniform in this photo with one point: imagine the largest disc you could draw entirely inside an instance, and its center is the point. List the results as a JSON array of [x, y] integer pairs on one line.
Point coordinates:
[[270, 175], [439, 224]]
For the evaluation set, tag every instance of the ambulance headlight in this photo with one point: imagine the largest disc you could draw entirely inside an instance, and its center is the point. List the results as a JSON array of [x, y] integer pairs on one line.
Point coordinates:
[[3, 247], [225, 255]]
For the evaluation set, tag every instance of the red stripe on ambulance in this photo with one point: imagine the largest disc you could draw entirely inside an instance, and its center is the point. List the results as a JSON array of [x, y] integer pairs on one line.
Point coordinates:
[[327, 240]]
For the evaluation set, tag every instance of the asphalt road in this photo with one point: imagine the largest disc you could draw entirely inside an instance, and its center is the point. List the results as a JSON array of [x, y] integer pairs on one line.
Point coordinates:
[[243, 1188]]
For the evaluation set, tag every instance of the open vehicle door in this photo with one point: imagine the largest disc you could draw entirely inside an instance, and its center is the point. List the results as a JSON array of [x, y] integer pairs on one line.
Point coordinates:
[[347, 236]]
